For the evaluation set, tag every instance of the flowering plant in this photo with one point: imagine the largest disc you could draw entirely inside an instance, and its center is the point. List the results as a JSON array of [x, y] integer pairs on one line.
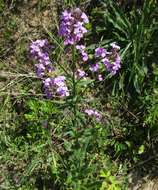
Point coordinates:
[[72, 29]]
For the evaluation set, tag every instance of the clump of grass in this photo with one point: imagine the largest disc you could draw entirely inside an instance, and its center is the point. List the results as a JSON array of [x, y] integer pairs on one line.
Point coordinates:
[[136, 31]]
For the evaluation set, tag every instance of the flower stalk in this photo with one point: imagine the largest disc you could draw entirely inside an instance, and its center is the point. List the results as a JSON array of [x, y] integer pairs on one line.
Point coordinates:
[[74, 93]]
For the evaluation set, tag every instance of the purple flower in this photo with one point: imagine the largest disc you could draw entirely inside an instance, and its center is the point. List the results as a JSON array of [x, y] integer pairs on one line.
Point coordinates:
[[100, 52], [39, 51], [40, 69], [100, 77], [107, 63], [62, 91], [94, 67], [81, 49], [50, 68], [55, 87], [38, 47], [52, 86], [97, 115], [41, 43], [84, 56], [112, 65], [72, 26], [60, 86], [44, 58], [66, 15], [59, 81], [80, 73], [115, 46], [48, 82], [34, 49], [111, 60], [93, 113], [89, 112], [116, 65], [85, 18]]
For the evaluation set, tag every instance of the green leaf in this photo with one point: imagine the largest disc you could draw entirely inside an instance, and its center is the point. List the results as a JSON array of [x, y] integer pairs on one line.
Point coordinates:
[[141, 149]]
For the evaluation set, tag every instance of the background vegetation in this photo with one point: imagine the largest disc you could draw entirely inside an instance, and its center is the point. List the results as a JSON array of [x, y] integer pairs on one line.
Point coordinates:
[[39, 147]]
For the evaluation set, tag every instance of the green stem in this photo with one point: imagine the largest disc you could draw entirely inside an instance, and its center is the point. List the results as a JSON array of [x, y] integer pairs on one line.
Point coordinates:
[[74, 85]]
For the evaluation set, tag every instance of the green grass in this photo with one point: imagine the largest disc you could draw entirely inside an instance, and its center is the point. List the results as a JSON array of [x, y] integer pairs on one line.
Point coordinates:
[[50, 144]]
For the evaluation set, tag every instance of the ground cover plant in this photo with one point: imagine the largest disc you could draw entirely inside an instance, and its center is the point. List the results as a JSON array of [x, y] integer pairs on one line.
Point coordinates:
[[79, 95]]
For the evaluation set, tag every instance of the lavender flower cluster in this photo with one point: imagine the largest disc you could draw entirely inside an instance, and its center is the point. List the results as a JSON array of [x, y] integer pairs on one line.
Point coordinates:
[[72, 29], [39, 50], [72, 25], [111, 60]]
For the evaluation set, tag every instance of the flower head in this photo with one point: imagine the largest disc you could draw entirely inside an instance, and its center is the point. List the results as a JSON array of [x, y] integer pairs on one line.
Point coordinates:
[[111, 60], [100, 52], [72, 26], [39, 51]]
